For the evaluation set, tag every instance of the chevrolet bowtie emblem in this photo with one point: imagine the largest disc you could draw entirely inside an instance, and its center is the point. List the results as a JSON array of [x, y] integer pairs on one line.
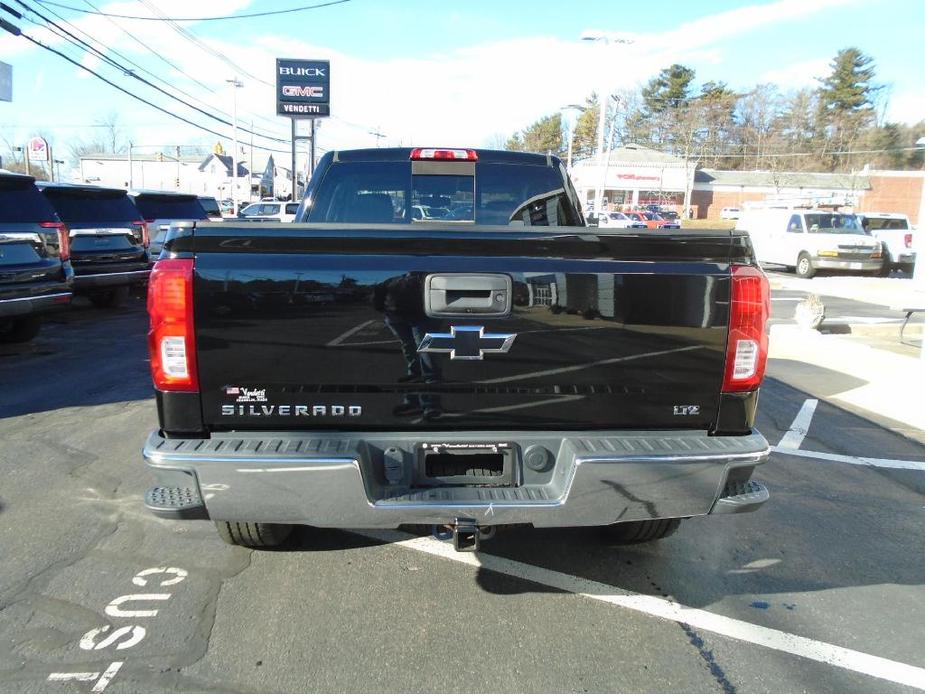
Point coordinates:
[[467, 342]]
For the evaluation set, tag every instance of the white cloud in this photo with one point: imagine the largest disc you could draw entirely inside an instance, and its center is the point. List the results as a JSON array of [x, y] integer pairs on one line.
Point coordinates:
[[458, 97], [797, 75], [908, 107]]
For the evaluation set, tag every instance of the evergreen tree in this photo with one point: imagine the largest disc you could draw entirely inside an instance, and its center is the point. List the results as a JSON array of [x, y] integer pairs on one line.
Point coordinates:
[[846, 106], [545, 135], [668, 89]]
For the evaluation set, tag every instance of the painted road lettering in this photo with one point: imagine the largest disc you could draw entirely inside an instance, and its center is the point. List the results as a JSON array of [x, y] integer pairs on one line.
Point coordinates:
[[127, 636], [136, 632], [102, 680], [113, 609], [178, 576]]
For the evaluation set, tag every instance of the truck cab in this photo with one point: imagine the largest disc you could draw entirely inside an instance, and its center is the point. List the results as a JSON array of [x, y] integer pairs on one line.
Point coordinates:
[[895, 234]]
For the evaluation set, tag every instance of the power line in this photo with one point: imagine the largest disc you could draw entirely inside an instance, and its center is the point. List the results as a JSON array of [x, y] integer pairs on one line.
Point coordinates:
[[205, 47], [135, 96], [74, 40], [163, 59], [250, 15], [806, 154]]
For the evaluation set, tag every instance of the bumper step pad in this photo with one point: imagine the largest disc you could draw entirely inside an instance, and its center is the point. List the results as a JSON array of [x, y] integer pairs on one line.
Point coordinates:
[[176, 502], [741, 497]]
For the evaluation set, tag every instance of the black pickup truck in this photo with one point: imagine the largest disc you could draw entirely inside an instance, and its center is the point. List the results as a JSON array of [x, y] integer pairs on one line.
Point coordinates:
[[35, 273], [439, 341]]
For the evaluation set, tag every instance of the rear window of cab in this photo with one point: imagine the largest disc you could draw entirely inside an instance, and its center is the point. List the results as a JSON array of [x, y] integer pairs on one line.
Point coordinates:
[[388, 193]]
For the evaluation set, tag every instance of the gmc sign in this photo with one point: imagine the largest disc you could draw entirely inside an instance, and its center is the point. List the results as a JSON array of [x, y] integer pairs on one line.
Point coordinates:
[[308, 91], [303, 88]]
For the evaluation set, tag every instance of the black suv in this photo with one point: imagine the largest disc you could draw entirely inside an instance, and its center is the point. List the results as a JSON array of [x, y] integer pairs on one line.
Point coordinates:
[[161, 209], [109, 240], [35, 275]]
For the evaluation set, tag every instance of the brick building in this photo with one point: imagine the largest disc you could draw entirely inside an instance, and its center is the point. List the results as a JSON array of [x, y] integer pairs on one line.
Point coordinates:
[[865, 191]]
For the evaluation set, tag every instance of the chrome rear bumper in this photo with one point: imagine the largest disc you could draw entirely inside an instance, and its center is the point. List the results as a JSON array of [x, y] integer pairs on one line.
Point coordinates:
[[340, 480]]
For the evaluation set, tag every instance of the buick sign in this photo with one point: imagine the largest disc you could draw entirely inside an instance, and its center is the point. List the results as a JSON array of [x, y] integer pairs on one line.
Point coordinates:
[[303, 88]]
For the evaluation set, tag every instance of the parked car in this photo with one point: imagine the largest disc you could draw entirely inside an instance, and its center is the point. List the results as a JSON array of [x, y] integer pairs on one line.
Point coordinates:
[[670, 215], [893, 231], [616, 220], [652, 220], [269, 211], [160, 209], [464, 415], [212, 208], [426, 212], [35, 270], [730, 213], [808, 240], [108, 240]]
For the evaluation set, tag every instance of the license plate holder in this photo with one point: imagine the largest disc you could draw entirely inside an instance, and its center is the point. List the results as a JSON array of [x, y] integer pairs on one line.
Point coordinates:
[[467, 464]]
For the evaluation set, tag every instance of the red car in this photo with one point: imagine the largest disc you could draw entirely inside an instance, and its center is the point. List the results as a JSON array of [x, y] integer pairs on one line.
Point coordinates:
[[653, 220]]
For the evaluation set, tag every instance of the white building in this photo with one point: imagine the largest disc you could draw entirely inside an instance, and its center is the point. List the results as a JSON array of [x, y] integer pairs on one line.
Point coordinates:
[[190, 174], [634, 176]]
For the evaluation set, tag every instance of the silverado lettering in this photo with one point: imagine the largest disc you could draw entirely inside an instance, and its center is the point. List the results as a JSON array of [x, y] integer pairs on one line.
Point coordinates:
[[292, 410]]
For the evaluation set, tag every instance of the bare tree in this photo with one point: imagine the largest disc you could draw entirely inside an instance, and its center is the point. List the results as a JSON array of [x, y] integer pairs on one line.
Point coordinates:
[[112, 134]]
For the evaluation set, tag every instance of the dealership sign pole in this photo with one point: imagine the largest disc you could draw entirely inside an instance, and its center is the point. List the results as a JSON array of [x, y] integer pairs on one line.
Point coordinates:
[[303, 90]]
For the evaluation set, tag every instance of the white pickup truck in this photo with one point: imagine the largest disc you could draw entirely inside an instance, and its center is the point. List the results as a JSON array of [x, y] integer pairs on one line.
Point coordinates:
[[894, 233]]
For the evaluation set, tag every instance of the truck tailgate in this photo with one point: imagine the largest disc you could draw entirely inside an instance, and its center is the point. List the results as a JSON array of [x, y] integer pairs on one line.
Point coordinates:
[[319, 327]]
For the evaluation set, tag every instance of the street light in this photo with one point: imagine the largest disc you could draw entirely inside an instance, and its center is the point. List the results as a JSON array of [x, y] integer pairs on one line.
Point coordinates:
[[235, 85], [572, 122], [605, 40]]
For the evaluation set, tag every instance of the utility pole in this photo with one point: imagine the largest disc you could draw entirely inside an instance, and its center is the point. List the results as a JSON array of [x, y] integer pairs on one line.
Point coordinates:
[[131, 184], [250, 168], [602, 101], [178, 168], [377, 133], [235, 84]]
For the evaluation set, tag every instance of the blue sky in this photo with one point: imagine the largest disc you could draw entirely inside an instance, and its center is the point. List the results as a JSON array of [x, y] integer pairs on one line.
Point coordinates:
[[432, 72]]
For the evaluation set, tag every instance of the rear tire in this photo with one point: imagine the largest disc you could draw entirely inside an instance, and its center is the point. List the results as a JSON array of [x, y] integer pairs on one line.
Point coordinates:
[[635, 532], [887, 267], [20, 329], [805, 267], [246, 534], [111, 298]]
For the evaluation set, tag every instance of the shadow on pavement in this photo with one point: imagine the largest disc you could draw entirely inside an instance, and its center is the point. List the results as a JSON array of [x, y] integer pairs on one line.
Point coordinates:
[[82, 357], [824, 382]]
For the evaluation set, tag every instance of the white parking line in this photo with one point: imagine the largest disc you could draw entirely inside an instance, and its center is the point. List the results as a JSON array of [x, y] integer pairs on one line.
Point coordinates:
[[793, 439], [777, 640], [353, 331], [854, 460]]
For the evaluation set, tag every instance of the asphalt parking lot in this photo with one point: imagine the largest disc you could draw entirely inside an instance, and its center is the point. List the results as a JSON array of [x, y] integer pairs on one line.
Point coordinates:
[[821, 590]]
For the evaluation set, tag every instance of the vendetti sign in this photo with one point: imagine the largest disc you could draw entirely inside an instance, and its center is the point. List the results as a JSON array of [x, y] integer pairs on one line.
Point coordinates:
[[303, 88]]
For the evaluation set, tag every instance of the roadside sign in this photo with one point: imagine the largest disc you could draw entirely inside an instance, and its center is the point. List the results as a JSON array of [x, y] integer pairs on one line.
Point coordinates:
[[6, 82], [38, 149], [303, 88]]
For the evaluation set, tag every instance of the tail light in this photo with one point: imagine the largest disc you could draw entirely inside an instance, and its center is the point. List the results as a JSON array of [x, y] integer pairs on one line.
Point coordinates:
[[64, 238], [907, 239], [444, 154], [143, 226], [747, 344], [171, 339]]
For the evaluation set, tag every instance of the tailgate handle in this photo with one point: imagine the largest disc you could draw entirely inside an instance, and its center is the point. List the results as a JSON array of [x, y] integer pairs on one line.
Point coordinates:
[[467, 295]]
